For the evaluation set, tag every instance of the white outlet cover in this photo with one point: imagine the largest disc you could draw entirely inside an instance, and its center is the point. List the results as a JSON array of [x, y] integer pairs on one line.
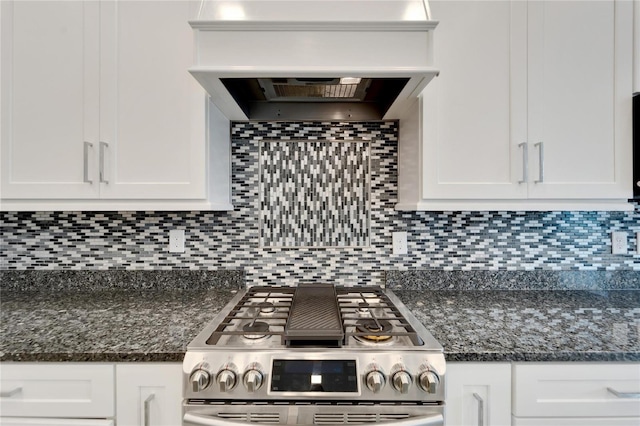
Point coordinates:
[[400, 243], [176, 241], [638, 242], [619, 242]]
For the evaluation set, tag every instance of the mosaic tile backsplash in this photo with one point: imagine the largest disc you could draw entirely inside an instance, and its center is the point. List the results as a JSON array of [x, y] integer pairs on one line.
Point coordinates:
[[314, 193], [446, 241]]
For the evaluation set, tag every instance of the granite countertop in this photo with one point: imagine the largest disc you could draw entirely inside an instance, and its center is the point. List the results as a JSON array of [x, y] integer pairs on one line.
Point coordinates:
[[156, 325], [106, 325], [553, 325]]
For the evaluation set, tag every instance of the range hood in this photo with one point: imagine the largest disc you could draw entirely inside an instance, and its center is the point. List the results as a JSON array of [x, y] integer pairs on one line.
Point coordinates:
[[313, 59]]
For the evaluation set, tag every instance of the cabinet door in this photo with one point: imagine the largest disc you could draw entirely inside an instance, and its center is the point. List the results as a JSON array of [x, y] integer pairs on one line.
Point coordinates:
[[49, 80], [152, 112], [160, 385], [474, 111], [491, 385], [580, 85], [24, 421]]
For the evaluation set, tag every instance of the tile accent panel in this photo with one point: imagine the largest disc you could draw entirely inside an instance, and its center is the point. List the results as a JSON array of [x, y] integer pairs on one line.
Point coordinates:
[[444, 241], [314, 193]]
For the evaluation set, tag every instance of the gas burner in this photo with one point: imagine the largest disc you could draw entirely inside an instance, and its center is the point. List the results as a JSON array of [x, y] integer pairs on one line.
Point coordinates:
[[256, 327], [266, 307], [376, 327], [363, 308]]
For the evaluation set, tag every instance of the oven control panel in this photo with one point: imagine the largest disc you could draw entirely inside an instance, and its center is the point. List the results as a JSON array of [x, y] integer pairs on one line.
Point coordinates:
[[383, 376]]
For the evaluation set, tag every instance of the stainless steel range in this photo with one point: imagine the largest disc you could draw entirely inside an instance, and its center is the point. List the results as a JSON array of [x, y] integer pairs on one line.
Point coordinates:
[[314, 354]]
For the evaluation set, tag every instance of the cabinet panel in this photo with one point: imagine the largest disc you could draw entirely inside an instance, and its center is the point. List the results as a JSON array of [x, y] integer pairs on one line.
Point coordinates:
[[594, 421], [50, 97], [579, 90], [491, 382], [575, 390], [54, 390], [158, 384], [20, 421], [152, 110], [474, 112]]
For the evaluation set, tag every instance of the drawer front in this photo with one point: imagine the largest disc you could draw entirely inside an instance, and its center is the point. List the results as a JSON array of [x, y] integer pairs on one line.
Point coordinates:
[[57, 390], [24, 421], [575, 390], [568, 421]]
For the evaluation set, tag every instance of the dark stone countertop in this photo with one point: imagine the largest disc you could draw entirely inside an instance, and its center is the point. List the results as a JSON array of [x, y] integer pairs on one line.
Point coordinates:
[[507, 325], [104, 325], [156, 325]]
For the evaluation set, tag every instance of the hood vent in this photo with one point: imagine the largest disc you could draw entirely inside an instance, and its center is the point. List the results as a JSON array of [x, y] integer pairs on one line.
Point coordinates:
[[313, 59]]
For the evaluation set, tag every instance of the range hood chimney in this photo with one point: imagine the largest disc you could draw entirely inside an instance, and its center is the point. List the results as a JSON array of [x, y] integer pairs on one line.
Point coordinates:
[[313, 59]]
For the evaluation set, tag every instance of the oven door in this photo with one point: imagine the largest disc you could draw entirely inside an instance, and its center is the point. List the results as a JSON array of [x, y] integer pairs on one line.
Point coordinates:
[[212, 414]]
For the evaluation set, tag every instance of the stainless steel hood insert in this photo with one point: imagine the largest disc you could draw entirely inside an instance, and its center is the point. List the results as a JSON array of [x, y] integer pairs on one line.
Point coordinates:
[[313, 59]]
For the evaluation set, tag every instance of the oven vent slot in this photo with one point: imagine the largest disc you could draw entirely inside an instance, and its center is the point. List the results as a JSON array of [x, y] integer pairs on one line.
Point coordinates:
[[355, 418], [268, 418]]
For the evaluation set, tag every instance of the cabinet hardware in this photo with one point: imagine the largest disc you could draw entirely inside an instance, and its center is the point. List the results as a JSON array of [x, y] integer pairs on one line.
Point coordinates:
[[480, 409], [633, 395], [87, 146], [525, 163], [147, 409], [540, 146], [10, 393], [103, 146]]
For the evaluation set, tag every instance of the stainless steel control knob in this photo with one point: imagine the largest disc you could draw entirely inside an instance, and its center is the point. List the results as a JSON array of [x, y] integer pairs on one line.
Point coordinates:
[[252, 380], [375, 381], [200, 380], [402, 381], [429, 381], [226, 380]]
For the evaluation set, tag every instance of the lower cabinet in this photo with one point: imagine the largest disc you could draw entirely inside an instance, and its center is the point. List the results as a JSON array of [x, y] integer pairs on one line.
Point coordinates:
[[559, 394], [90, 394], [149, 394], [478, 394]]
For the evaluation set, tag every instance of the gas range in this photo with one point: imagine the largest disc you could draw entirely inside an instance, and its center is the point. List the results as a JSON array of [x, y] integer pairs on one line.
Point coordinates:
[[314, 354]]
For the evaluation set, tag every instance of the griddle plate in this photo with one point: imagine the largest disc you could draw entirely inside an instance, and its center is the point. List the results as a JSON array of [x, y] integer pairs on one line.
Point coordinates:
[[314, 315]]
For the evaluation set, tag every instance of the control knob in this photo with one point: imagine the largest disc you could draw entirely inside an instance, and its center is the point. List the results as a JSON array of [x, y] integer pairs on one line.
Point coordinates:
[[200, 379], [226, 380], [402, 381], [375, 381], [252, 380], [429, 381]]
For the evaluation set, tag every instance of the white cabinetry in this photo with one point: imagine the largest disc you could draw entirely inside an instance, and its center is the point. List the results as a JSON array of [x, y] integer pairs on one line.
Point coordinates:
[[478, 394], [531, 111], [149, 394], [100, 113], [576, 394], [61, 391]]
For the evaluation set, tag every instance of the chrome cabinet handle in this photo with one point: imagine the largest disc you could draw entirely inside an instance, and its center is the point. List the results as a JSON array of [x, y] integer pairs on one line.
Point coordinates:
[[147, 409], [634, 395], [480, 409], [87, 146], [103, 146], [10, 393], [525, 163], [540, 146]]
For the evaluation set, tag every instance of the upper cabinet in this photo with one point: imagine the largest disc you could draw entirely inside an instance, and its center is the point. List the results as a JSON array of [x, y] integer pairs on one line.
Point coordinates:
[[531, 111], [99, 111]]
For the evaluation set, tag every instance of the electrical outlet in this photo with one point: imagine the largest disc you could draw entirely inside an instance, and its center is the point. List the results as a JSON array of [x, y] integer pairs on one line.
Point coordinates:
[[638, 242], [176, 241], [619, 242], [400, 243]]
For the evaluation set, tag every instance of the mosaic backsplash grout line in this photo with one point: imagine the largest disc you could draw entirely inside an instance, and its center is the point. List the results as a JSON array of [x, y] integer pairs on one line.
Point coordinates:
[[445, 241]]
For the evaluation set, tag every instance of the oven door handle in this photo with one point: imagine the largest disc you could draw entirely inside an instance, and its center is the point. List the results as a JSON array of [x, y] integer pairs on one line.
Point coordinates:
[[191, 419]]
